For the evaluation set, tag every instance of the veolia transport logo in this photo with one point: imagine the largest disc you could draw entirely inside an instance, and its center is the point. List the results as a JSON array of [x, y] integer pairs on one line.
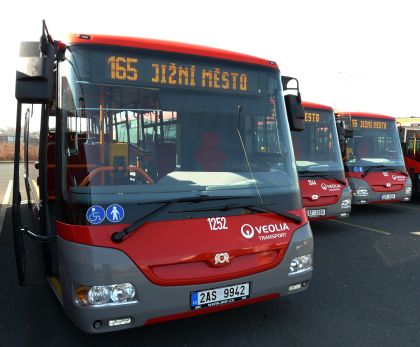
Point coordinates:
[[247, 231], [330, 186], [265, 232]]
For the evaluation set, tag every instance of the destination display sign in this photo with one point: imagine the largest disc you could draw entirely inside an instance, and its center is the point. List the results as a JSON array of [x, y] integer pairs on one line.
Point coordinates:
[[164, 71], [369, 124], [318, 116], [312, 117]]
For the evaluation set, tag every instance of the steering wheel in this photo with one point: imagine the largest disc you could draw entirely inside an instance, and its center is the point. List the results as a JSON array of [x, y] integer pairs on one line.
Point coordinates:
[[97, 170]]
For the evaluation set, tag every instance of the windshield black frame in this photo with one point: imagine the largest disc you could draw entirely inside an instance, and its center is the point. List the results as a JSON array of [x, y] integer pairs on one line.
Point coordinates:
[[282, 181], [374, 143], [316, 148]]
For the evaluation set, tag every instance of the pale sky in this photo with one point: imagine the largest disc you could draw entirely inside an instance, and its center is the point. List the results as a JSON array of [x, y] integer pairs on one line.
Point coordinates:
[[352, 55]]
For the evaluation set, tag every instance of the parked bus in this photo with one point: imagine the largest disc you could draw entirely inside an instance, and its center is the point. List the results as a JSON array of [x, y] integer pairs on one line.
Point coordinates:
[[373, 160], [409, 129], [323, 186], [166, 176]]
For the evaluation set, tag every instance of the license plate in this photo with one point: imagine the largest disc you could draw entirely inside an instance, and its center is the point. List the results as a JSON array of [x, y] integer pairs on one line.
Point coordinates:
[[219, 296], [387, 196], [316, 213]]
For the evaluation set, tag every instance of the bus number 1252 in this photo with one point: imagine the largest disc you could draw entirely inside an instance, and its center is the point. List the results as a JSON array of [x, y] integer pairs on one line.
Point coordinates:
[[218, 223]]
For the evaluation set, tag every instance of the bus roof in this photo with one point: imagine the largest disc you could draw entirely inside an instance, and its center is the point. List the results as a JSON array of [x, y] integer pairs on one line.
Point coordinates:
[[167, 46], [308, 104], [363, 115]]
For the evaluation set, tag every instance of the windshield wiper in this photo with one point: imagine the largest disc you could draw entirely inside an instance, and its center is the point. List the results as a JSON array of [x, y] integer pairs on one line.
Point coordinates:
[[384, 167], [250, 207], [119, 236], [306, 173]]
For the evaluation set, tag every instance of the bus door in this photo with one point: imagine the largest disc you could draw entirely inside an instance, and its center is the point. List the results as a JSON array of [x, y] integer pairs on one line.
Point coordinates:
[[34, 85], [31, 131]]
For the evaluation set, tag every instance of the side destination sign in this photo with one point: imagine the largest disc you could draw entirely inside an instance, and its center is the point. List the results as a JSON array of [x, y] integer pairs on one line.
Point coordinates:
[[161, 71]]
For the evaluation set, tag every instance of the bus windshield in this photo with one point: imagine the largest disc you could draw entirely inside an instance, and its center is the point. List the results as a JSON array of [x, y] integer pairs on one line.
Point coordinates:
[[375, 142], [316, 147], [152, 127]]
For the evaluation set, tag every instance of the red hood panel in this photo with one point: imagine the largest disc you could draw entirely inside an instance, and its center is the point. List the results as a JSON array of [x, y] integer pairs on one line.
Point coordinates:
[[189, 252], [387, 181], [320, 192]]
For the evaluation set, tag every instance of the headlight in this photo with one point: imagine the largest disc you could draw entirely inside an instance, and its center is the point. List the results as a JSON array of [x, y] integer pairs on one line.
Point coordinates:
[[360, 192], [346, 203], [98, 295], [407, 190], [300, 264], [113, 294], [122, 292]]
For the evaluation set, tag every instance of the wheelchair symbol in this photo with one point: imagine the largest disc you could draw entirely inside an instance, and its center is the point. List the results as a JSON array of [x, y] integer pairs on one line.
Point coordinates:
[[95, 214]]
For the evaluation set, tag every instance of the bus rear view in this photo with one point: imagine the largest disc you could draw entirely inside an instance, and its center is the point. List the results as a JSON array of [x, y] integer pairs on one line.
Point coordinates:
[[373, 159], [324, 189]]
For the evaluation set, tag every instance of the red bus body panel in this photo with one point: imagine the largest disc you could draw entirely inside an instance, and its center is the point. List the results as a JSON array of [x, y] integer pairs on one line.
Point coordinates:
[[364, 115], [382, 181], [185, 252], [411, 164], [325, 192], [307, 104], [168, 46]]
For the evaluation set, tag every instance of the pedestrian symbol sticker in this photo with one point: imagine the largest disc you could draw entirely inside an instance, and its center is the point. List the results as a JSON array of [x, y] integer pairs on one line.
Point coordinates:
[[114, 213], [95, 214]]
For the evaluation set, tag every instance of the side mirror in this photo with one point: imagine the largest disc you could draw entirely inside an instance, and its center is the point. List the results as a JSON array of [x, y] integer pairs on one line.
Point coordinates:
[[35, 74], [344, 128], [295, 112], [340, 131], [293, 101]]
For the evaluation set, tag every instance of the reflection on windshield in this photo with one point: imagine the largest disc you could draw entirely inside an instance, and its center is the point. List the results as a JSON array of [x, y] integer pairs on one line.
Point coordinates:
[[156, 141], [373, 143], [316, 147]]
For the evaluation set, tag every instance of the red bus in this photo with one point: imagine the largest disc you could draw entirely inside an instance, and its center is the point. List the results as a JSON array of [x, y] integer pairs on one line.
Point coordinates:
[[373, 159], [323, 186], [167, 186], [410, 143]]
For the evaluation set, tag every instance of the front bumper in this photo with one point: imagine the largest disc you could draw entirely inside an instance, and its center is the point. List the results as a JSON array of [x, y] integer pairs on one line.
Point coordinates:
[[341, 209], [89, 265], [375, 197]]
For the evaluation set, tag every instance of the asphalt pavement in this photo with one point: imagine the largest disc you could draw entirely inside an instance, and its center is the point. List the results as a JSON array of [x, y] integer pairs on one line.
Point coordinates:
[[364, 292]]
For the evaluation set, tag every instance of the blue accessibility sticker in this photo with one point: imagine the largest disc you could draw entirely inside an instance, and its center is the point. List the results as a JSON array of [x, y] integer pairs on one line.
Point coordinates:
[[194, 299], [358, 169], [114, 213], [95, 214]]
